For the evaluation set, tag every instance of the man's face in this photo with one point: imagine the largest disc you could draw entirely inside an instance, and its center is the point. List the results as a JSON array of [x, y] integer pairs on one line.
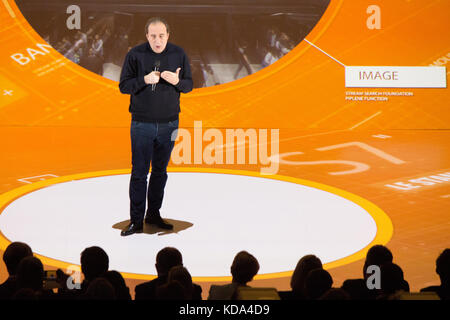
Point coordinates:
[[157, 36]]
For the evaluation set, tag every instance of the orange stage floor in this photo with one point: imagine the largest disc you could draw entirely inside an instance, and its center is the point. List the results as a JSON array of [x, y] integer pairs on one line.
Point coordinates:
[[419, 216]]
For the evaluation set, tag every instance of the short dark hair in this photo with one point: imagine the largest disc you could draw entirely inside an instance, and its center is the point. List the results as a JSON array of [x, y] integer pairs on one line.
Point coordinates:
[[30, 273], [304, 266], [94, 262], [167, 258], [156, 20], [182, 275], [13, 254], [443, 265], [245, 266], [392, 278], [317, 282], [377, 255], [118, 282]]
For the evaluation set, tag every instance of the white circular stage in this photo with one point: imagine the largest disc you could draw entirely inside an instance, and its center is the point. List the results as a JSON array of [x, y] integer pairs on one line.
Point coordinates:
[[215, 216]]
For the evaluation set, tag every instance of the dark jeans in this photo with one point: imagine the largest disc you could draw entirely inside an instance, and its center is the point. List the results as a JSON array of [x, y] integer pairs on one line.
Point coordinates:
[[150, 142]]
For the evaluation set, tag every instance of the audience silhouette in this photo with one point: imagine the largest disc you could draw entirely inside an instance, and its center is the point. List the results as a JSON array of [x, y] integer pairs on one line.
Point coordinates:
[[166, 259], [391, 280], [12, 256], [357, 288], [317, 282], [377, 255], [443, 271], [121, 290], [94, 263], [243, 269], [309, 280], [304, 266], [30, 276], [335, 294], [100, 289], [182, 275], [171, 290], [25, 294]]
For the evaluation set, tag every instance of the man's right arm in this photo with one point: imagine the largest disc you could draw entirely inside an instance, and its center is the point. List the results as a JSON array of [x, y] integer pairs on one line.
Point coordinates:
[[130, 82]]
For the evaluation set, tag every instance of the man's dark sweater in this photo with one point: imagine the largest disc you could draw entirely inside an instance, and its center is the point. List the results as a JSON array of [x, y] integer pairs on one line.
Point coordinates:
[[163, 104]]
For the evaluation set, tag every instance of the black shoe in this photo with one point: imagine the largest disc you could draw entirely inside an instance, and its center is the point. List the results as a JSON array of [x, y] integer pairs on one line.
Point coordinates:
[[158, 221], [132, 228]]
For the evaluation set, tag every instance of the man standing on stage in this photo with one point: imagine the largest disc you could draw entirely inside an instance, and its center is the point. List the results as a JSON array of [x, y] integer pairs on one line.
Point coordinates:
[[154, 73]]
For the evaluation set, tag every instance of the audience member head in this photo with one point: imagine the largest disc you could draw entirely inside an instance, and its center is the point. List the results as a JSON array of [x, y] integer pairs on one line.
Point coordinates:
[[13, 254], [377, 255], [335, 294], [304, 266], [182, 275], [172, 290], [94, 262], [392, 279], [166, 259], [443, 267], [100, 289], [30, 273], [244, 267], [317, 282], [118, 282]]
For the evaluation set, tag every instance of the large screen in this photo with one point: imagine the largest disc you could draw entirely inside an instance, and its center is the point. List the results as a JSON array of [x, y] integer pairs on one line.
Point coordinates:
[[298, 64]]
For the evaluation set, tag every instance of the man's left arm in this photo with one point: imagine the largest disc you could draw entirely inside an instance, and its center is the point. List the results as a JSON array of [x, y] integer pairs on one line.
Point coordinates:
[[185, 83]]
